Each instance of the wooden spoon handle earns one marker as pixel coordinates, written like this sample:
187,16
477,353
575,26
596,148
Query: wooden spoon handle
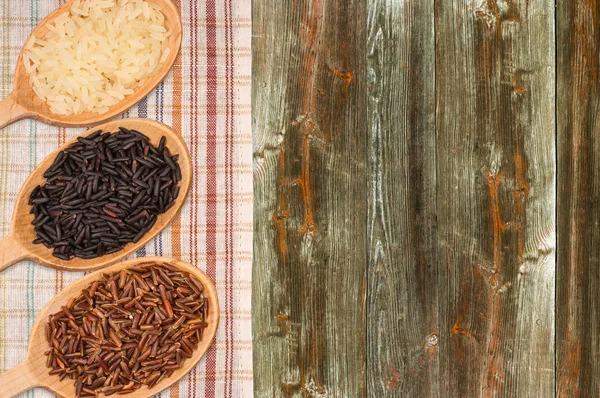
11,252
17,380
11,111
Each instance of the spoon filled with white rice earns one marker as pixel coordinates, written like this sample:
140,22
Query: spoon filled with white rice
96,54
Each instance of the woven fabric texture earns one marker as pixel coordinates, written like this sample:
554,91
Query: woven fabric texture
206,98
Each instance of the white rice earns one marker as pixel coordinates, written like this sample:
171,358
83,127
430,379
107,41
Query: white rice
96,54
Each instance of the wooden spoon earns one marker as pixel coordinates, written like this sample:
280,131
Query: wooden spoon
23,103
32,372
18,246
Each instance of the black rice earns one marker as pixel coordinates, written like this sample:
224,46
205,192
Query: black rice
102,192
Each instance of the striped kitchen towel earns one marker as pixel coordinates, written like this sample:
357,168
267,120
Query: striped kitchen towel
206,98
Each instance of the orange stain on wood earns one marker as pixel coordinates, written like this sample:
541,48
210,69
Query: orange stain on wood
311,27
493,182
346,77
494,364
283,212
308,226
458,330
520,173
518,87
516,80
282,317
285,325
495,280
393,381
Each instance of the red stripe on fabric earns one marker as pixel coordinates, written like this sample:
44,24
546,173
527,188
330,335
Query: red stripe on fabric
194,129
211,177
177,122
229,203
194,151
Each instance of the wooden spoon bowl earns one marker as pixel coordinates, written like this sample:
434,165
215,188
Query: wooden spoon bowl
18,244
32,372
23,103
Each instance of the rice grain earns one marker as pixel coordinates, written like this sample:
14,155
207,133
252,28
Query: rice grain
96,54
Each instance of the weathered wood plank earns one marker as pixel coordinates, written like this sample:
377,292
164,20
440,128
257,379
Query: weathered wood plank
496,196
402,317
578,260
309,122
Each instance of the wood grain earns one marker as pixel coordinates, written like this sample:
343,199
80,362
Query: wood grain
21,378
496,196
460,189
32,372
578,274
11,252
309,123
24,103
11,111
18,244
402,319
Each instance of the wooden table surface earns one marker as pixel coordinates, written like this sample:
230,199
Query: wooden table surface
427,187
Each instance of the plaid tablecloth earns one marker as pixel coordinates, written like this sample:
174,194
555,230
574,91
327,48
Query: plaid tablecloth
206,97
